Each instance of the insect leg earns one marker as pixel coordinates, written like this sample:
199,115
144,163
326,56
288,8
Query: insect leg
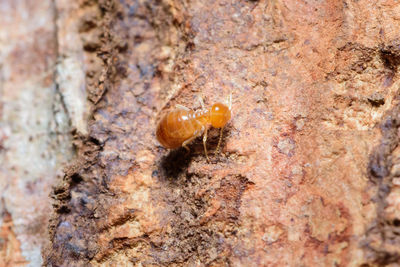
184,144
204,144
182,107
219,141
195,135
201,101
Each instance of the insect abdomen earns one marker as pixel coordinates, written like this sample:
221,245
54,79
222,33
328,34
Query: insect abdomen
176,127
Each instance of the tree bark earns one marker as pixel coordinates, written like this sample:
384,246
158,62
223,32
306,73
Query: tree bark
309,170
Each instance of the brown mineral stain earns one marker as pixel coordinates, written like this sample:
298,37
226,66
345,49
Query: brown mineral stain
10,251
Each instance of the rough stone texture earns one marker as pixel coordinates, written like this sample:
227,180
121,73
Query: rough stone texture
300,178
42,100
33,129
309,171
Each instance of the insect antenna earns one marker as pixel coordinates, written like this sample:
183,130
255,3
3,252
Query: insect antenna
219,141
229,100
200,98
205,145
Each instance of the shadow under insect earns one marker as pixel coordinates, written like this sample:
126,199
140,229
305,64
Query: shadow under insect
178,160
175,162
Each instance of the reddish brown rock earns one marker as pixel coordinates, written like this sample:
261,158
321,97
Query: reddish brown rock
308,171
295,181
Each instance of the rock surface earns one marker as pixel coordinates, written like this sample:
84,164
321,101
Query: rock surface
309,169
43,99
34,129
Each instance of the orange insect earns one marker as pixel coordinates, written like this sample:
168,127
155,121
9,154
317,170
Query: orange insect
182,125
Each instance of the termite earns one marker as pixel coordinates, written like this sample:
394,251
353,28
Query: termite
182,125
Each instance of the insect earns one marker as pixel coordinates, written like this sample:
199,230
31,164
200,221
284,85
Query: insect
181,126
